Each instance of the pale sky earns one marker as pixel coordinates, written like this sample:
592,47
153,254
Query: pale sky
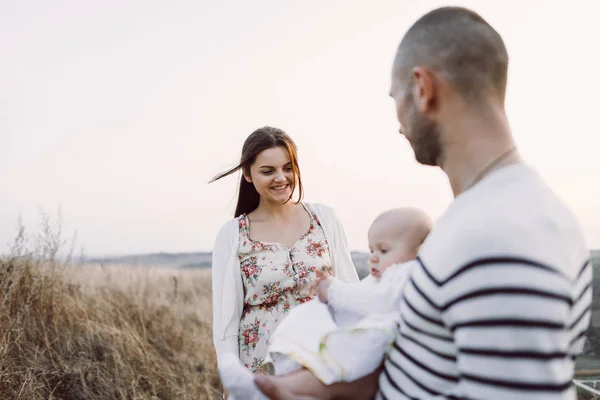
120,112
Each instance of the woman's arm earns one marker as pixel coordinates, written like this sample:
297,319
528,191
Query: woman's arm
224,299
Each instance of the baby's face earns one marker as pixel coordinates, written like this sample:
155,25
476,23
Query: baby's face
388,246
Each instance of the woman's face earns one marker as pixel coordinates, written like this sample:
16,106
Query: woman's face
272,175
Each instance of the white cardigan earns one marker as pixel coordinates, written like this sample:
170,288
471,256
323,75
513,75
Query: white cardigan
227,287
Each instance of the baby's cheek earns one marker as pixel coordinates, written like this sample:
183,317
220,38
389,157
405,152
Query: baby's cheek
386,261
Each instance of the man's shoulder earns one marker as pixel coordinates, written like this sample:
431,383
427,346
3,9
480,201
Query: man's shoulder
515,221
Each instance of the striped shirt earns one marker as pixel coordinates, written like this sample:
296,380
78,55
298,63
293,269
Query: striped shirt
499,303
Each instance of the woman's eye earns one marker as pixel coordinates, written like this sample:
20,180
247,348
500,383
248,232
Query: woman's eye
383,251
267,172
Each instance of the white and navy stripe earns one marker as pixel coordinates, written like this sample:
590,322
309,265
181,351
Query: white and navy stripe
497,327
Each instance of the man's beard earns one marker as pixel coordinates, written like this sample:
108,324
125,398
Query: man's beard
424,134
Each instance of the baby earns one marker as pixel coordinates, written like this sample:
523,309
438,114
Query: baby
344,334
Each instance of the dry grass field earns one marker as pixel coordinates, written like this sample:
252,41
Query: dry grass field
91,332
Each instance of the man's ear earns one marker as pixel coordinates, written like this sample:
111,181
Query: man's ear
425,89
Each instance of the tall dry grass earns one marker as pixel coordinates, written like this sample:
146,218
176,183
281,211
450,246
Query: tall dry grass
87,332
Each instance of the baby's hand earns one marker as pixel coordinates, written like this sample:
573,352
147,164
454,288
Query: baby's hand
322,290
315,286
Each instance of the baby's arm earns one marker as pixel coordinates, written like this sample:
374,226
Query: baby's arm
364,298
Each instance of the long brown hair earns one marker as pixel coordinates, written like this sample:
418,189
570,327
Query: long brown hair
259,140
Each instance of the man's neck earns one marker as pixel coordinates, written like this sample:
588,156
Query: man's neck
481,143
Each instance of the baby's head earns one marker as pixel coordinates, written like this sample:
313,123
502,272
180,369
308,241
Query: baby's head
395,237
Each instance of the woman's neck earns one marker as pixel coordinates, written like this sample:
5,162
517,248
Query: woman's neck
270,210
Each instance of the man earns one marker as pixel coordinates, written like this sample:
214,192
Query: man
500,302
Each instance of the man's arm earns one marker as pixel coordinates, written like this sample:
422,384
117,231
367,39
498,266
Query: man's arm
512,322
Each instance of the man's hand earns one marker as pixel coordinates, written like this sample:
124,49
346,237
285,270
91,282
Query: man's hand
285,388
274,391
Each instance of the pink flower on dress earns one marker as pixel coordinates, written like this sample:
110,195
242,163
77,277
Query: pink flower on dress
251,270
272,292
316,249
258,365
251,335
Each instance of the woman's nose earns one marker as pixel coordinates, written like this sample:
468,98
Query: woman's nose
279,176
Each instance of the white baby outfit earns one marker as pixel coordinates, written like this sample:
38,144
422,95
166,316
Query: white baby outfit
345,339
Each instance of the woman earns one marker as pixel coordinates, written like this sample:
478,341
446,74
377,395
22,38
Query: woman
266,257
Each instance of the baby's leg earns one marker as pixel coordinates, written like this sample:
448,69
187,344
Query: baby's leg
358,351
279,364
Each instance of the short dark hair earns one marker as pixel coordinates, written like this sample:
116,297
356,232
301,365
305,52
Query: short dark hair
461,46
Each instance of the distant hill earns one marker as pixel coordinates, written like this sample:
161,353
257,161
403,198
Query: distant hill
203,260
194,260
180,260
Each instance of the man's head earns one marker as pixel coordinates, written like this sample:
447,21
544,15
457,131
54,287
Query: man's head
449,56
396,236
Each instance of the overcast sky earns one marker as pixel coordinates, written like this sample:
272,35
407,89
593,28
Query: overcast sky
119,112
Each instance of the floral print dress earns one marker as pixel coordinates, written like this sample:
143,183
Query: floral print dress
276,278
